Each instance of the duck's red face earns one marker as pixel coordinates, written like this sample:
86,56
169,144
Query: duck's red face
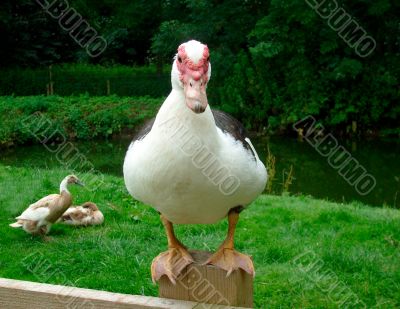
193,61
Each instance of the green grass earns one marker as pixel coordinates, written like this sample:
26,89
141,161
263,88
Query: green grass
357,244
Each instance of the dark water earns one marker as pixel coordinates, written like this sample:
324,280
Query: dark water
311,172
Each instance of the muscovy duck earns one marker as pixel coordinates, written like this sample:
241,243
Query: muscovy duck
194,165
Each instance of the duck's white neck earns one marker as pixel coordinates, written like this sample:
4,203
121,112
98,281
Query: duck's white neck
175,110
181,120
64,186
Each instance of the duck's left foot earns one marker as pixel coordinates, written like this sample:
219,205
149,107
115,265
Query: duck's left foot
231,260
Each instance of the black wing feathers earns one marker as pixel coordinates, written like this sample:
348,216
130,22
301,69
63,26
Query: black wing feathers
224,121
232,126
144,130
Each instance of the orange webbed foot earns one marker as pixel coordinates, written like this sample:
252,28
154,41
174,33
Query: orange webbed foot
231,260
170,263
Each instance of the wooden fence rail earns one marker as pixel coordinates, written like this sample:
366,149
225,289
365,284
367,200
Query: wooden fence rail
18,294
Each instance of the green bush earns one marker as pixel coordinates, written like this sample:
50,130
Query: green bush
76,117
297,66
76,79
281,61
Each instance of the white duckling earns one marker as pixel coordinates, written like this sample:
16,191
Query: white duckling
38,217
84,215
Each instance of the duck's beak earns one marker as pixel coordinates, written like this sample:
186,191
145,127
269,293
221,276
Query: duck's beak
80,183
195,94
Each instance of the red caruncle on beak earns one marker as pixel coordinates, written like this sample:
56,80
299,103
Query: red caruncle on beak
194,77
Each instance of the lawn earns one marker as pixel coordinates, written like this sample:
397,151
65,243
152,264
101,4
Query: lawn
305,251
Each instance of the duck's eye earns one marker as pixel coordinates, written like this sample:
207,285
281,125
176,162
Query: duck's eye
179,59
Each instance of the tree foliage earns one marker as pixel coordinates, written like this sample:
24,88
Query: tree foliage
274,62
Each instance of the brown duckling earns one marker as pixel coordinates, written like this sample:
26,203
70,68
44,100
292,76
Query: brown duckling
84,215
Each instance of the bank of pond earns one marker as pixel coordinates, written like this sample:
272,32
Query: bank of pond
299,168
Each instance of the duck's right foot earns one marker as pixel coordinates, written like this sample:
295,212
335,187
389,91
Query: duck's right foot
170,263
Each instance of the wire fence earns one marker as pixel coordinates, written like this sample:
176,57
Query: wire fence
101,82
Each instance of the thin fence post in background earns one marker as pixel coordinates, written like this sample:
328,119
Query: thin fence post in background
354,126
51,90
108,87
48,89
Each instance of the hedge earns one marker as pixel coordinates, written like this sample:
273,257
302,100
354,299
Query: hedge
23,119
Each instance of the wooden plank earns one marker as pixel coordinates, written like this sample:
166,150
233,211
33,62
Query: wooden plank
213,306
29,295
209,284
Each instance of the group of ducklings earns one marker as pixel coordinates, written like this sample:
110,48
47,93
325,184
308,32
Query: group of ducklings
38,218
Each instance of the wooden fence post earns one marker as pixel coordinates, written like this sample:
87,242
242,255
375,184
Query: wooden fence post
209,284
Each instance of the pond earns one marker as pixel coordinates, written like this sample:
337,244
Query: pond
312,175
